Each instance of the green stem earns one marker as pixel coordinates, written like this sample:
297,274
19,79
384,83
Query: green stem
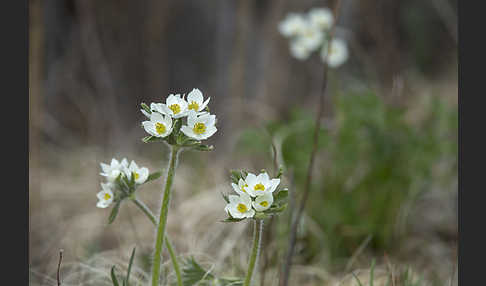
173,257
255,251
163,217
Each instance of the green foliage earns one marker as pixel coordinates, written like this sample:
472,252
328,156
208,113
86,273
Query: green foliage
126,280
194,274
372,163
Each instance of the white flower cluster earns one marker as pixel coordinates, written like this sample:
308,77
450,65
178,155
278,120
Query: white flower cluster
255,193
310,32
200,124
112,172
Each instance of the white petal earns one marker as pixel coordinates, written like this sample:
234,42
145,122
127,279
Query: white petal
188,132
195,95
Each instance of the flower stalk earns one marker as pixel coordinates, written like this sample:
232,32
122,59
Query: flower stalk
163,216
168,244
255,251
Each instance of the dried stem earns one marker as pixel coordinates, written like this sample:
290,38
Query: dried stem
59,268
284,278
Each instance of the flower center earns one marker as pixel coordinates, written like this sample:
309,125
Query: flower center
194,106
107,196
243,188
264,204
175,108
259,187
199,128
160,128
241,208
136,175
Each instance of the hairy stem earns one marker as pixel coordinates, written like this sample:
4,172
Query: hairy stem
255,251
168,244
284,278
163,216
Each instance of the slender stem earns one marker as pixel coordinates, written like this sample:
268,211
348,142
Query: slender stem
163,217
168,244
284,278
255,251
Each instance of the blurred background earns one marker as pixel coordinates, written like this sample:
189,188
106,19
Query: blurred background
385,184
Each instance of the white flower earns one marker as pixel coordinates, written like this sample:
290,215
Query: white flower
321,18
292,25
262,203
260,185
105,196
240,206
112,171
140,174
311,37
195,100
338,54
145,113
159,125
175,106
241,187
299,50
199,126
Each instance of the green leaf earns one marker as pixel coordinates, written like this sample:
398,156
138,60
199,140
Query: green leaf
357,279
230,281
127,279
260,215
114,212
232,219
371,271
203,147
149,139
113,277
276,210
146,108
225,197
153,176
193,273
281,195
280,171
235,176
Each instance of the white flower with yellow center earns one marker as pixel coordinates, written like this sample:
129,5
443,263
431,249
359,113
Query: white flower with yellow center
240,206
159,125
195,100
292,25
105,196
321,18
241,187
262,203
140,175
175,106
338,54
112,171
199,126
260,185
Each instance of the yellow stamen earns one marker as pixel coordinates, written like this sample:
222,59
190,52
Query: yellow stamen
199,128
241,208
259,187
264,204
243,188
106,196
175,108
136,175
194,106
160,128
